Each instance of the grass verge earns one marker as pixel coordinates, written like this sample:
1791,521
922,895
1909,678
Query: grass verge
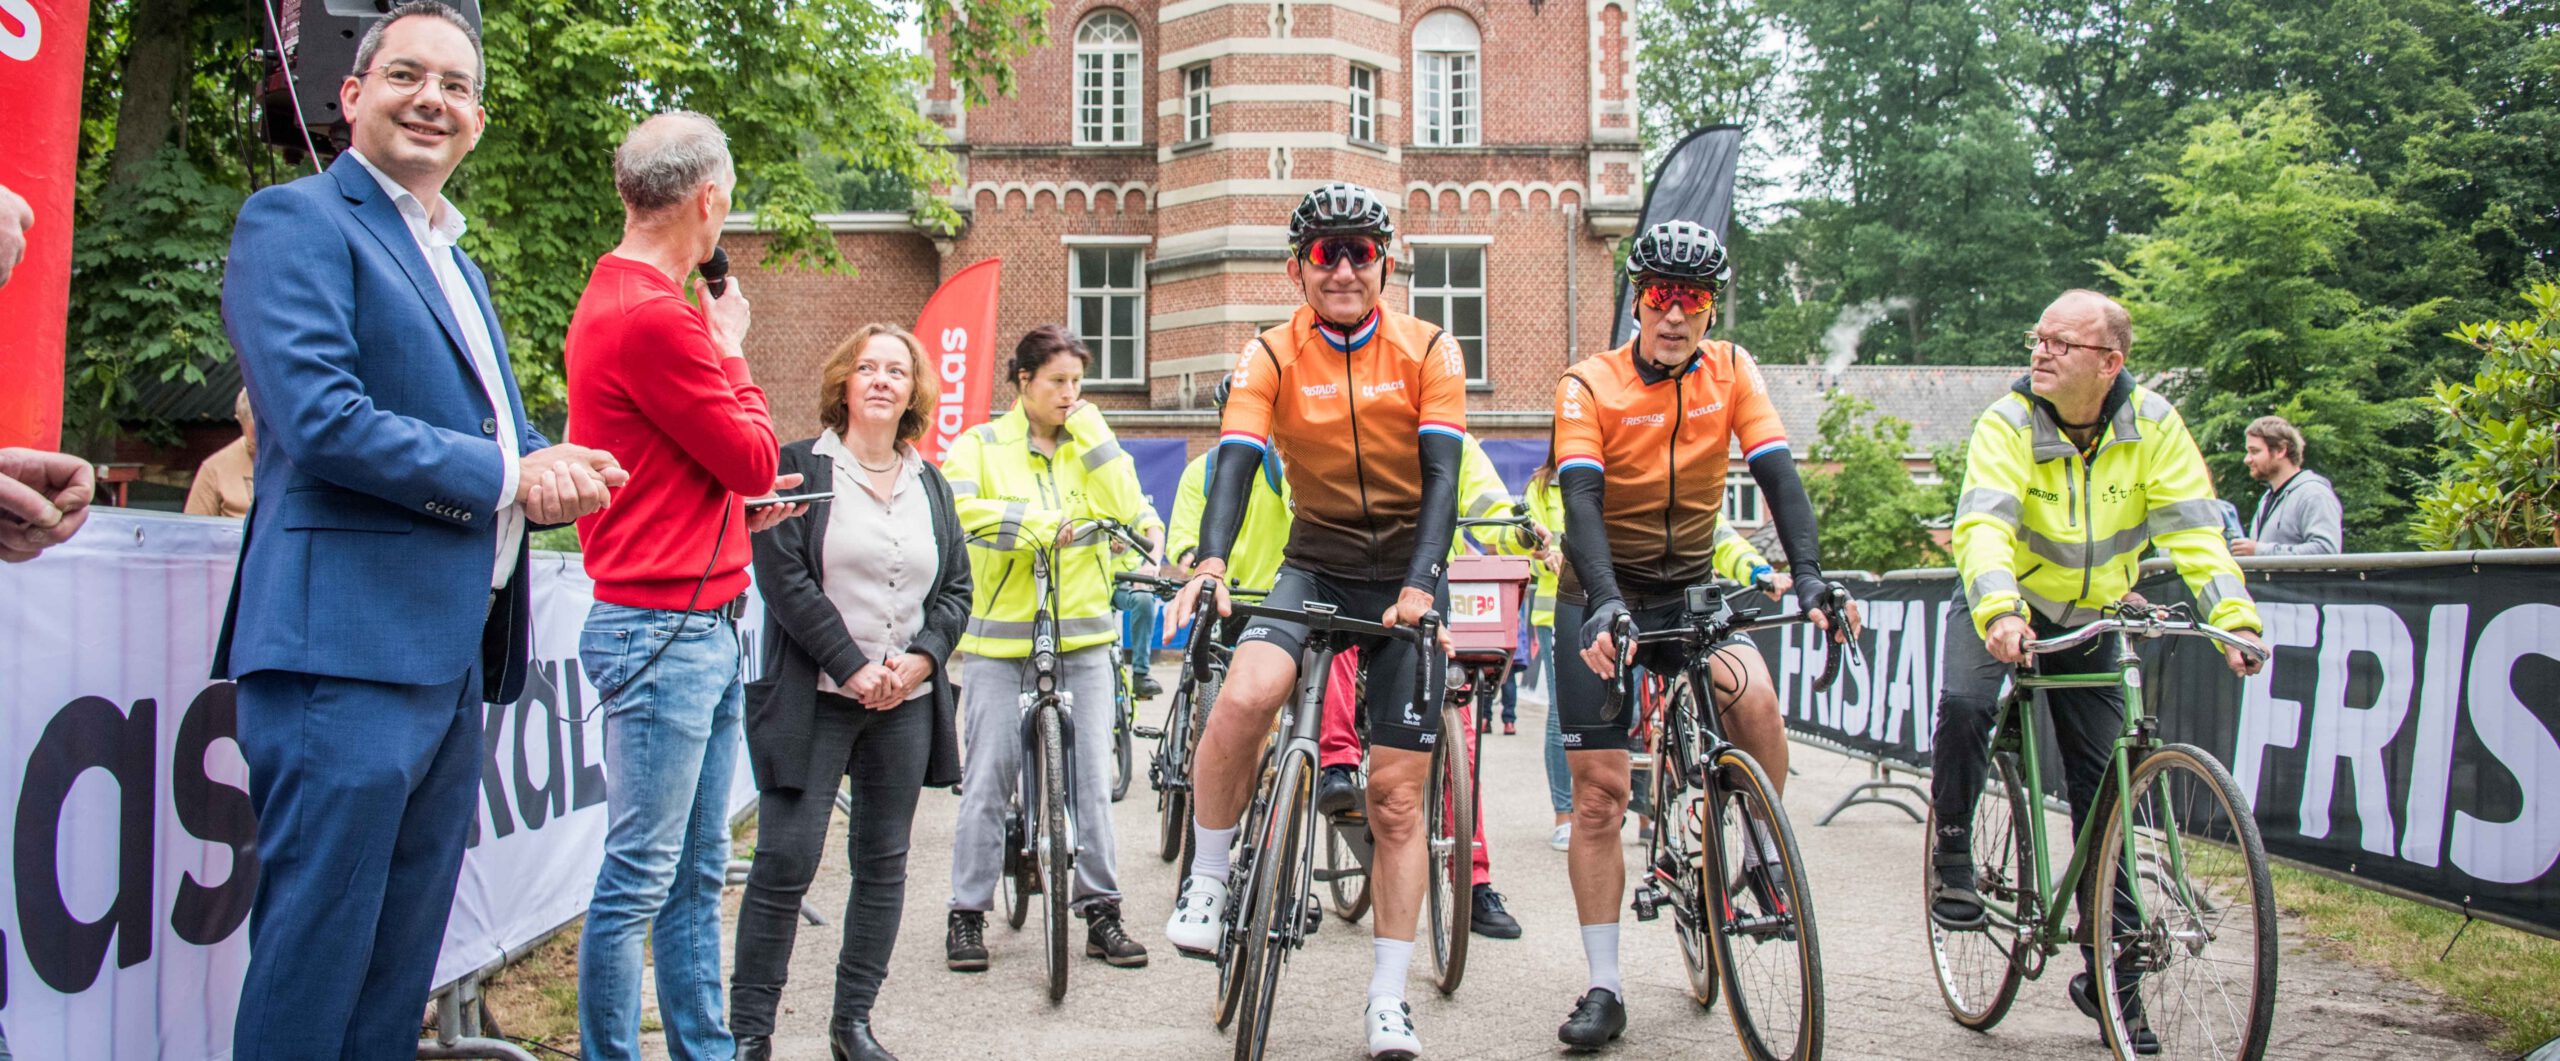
2508,976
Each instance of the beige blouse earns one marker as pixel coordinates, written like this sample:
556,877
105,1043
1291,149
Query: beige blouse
880,556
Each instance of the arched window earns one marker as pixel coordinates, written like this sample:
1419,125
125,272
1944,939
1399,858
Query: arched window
1107,80
1448,86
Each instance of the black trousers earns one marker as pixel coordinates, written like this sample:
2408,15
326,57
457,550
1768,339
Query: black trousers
2086,723
884,752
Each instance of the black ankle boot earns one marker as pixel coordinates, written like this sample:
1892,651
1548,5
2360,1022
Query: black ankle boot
853,1042
755,1048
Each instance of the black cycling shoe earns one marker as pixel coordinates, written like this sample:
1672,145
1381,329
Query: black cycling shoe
1598,1018
1491,920
854,1043
1337,790
1147,688
2084,996
755,1048
1105,938
964,947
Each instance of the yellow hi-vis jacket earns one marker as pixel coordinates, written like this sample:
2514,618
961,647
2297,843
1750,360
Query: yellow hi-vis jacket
2042,525
1481,494
1015,495
1255,558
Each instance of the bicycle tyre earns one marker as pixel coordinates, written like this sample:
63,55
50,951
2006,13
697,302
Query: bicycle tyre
1019,880
1773,993
1124,751
1180,803
2222,901
1449,810
1349,894
1977,970
1243,889
1679,840
1279,911
1057,856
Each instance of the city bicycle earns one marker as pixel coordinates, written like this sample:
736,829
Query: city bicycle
1722,858
1040,821
2170,860
1273,908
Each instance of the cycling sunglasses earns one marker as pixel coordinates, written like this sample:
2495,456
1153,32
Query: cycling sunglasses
1661,296
1331,251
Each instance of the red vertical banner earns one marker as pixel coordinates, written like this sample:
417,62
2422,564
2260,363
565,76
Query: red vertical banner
958,329
42,44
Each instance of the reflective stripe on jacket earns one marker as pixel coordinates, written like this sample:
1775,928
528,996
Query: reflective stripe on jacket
1014,495
2041,525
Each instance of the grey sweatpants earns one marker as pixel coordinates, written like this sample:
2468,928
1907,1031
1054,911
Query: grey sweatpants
991,767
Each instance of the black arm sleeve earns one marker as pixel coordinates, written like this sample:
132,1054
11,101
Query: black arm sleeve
1586,537
1783,491
1222,514
1438,522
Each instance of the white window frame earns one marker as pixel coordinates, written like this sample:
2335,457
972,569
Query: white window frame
1108,88
1742,504
1448,81
1195,102
1363,85
1480,358
1078,291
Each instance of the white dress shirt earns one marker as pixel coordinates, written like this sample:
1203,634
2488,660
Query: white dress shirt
880,556
436,233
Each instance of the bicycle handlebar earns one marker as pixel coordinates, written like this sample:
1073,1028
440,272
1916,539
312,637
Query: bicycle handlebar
1708,628
2146,622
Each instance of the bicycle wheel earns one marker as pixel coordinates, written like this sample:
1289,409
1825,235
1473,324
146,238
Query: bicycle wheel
1449,806
1244,889
1176,825
1764,933
2192,942
1678,849
1019,880
1057,854
1349,886
1124,751
1978,970
1279,909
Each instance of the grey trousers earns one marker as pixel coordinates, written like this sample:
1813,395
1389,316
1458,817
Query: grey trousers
991,767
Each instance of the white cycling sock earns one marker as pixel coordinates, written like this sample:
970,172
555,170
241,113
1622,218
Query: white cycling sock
1600,946
1209,857
1390,960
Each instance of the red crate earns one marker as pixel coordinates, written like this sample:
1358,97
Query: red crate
1484,603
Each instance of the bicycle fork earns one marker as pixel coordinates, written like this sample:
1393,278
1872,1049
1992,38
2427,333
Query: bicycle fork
1029,777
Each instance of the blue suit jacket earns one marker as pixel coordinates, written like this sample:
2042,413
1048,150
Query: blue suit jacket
374,529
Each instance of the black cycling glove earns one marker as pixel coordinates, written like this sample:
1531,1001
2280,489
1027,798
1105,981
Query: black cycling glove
1599,621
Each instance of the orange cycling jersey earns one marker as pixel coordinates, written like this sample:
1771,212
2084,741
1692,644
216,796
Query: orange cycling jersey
1349,426
1658,436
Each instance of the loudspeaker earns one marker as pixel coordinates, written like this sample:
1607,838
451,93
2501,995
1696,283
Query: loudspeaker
316,40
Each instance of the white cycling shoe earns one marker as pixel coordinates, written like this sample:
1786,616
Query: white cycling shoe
1193,931
1390,1024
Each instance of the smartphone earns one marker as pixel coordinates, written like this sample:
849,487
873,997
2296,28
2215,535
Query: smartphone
788,499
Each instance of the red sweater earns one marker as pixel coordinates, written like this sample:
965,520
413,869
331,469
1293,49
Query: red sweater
648,384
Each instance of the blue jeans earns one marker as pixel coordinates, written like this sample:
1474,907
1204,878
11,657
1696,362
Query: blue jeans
671,744
1559,776
1137,626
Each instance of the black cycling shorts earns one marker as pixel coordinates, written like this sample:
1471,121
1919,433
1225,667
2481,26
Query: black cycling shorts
1393,722
1580,695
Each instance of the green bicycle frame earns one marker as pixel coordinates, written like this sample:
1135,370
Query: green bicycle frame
2018,730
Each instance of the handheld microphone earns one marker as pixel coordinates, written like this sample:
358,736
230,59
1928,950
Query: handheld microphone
715,272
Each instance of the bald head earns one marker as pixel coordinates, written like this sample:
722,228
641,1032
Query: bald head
2105,316
668,159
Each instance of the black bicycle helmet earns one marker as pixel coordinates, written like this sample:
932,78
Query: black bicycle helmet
1226,383
1340,209
1682,251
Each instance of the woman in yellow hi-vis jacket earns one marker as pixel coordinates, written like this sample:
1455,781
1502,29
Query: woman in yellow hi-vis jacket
1030,476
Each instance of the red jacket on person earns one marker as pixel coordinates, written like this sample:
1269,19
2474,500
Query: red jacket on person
648,384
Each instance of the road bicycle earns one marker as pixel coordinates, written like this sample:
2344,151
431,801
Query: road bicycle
2170,860
1722,858
1272,906
1040,821
1204,671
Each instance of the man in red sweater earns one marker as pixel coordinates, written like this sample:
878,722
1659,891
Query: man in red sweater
663,384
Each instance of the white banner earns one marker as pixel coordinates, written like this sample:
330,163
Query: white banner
124,797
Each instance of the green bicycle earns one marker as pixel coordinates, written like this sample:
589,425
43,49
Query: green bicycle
2171,862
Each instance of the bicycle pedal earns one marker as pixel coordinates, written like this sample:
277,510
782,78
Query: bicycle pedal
1147,732
1648,902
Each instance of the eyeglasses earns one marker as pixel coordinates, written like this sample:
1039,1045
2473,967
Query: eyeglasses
408,81
1357,251
1660,297
2037,343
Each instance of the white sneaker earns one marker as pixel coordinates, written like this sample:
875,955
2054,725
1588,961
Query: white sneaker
1197,916
1390,1024
1562,838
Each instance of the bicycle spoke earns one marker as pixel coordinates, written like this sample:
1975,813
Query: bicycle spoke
2198,961
1978,971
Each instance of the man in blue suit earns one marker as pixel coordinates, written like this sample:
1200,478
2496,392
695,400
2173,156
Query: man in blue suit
381,594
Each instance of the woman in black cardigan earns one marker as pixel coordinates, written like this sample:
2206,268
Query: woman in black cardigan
855,642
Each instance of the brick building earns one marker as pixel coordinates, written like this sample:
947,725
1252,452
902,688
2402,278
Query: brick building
1138,185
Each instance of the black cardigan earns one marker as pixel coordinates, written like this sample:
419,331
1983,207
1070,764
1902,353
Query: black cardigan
803,633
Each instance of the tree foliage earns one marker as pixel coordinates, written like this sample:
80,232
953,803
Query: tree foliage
2500,438
1873,516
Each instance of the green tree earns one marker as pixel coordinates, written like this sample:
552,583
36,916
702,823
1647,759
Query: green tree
2238,292
2500,438
1874,516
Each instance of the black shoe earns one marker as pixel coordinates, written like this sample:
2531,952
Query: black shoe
964,949
1491,920
1598,1017
1104,937
2084,996
1148,689
854,1044
1337,790
1953,904
755,1048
